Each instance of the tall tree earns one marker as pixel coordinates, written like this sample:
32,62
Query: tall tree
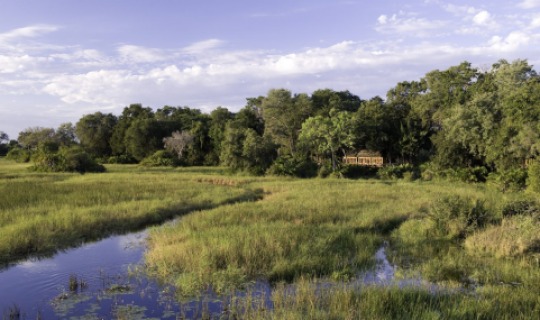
324,100
65,134
330,136
130,114
31,138
283,115
219,119
95,132
4,147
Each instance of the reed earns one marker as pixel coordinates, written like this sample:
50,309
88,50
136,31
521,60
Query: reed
43,212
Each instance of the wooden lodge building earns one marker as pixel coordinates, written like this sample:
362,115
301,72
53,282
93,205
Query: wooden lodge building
365,158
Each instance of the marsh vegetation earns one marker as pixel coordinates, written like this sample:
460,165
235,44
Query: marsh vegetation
309,239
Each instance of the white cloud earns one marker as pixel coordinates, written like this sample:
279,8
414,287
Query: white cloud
137,54
529,4
76,79
26,32
102,87
11,64
203,46
513,42
410,26
482,18
460,10
535,22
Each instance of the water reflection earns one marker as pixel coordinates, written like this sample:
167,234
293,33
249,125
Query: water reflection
32,285
94,281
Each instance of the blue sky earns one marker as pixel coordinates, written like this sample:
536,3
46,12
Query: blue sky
61,59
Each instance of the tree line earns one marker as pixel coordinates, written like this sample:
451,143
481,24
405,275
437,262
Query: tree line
463,120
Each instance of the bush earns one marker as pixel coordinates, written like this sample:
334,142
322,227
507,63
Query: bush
161,158
18,155
293,166
398,172
75,159
469,175
359,171
455,216
534,176
431,170
520,207
67,159
121,159
509,180
4,149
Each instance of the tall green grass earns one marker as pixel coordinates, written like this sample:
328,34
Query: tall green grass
330,229
42,212
315,228
482,253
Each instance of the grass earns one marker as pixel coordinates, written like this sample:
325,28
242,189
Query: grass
309,238
41,213
314,228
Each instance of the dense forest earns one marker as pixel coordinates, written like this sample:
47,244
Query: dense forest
462,122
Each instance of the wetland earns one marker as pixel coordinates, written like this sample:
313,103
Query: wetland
201,243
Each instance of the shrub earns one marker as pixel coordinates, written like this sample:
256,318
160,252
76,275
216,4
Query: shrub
75,159
520,207
67,159
18,155
293,166
121,159
455,216
509,180
534,176
325,170
359,171
161,158
398,172
469,175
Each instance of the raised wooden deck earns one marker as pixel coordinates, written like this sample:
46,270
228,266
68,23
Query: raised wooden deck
364,161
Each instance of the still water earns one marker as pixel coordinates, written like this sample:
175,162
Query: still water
102,286
96,281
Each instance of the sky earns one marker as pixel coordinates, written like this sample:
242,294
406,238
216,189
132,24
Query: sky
62,59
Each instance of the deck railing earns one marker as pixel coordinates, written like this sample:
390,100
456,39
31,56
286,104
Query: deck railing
364,161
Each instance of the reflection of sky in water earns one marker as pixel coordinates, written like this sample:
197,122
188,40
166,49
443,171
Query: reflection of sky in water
33,283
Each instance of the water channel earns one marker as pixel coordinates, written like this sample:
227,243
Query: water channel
96,281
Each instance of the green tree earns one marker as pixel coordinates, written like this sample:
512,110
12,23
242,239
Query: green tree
283,115
324,100
258,151
4,147
95,133
65,134
31,138
133,112
219,119
328,135
232,147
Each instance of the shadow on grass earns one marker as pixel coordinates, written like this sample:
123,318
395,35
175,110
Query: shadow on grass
112,227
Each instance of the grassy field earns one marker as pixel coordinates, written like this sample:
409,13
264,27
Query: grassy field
309,238
307,231
43,212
